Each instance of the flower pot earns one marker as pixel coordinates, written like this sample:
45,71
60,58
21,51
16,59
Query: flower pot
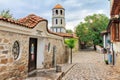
106,61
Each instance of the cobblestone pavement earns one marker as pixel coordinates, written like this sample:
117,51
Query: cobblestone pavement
90,66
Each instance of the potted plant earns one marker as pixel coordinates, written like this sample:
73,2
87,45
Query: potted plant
106,61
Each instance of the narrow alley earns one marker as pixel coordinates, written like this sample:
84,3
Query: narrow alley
90,66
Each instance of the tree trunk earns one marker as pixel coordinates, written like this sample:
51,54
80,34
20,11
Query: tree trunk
94,47
83,46
71,55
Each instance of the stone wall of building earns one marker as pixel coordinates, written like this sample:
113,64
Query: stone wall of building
116,48
9,67
118,63
59,52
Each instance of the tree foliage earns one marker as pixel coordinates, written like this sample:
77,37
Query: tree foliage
90,29
6,14
70,43
69,31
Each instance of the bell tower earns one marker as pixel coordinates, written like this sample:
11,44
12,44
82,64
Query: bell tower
58,19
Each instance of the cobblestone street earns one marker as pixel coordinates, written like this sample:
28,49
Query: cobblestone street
90,66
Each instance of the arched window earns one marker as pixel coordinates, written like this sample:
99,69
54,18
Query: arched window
61,12
56,11
56,21
61,21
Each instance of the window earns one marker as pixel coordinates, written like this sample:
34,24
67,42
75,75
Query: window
16,49
61,12
61,21
56,11
116,31
56,21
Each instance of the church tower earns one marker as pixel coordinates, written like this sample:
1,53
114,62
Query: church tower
58,19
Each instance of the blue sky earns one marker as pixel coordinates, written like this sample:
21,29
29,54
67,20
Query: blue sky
75,10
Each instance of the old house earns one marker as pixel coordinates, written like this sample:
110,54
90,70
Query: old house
114,29
26,45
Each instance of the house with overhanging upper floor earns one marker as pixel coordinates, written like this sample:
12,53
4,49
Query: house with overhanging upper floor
113,31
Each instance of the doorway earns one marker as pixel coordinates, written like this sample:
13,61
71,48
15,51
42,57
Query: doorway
32,54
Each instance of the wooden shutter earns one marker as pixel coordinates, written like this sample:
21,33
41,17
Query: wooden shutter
112,32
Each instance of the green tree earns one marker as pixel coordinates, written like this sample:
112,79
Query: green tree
6,14
69,31
71,44
90,29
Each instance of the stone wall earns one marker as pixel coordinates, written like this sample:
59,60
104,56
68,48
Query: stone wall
9,67
59,53
118,62
116,48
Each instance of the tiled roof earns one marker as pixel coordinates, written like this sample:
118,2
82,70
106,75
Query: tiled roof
65,35
11,21
30,21
58,6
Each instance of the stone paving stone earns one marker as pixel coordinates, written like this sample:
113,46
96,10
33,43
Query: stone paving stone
90,66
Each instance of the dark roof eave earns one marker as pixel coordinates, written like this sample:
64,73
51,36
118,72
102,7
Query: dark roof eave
111,21
109,24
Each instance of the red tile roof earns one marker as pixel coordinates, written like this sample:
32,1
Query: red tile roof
30,21
65,35
58,6
11,21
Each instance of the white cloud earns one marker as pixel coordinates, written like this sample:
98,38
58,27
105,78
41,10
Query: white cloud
74,18
72,3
